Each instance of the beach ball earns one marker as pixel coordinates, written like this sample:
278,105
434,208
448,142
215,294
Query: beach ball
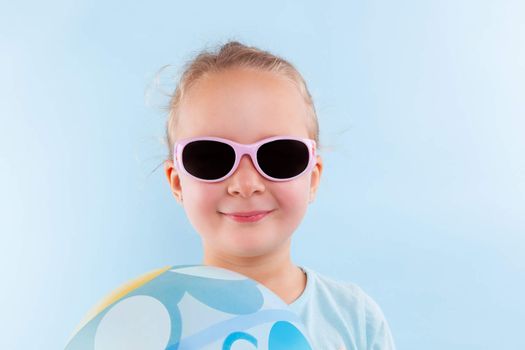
191,307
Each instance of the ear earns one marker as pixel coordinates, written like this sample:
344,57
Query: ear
174,180
315,178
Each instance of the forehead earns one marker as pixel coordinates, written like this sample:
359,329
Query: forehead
243,105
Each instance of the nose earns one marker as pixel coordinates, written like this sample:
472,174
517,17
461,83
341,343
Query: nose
246,180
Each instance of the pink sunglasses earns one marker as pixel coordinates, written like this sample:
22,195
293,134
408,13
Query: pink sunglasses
213,159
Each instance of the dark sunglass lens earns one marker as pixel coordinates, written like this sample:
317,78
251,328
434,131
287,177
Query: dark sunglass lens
283,159
208,160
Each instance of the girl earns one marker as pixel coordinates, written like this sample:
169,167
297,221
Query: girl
242,135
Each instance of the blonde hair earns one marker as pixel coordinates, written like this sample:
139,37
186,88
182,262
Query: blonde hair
235,55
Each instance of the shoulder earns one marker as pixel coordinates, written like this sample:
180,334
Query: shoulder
342,290
377,330
358,307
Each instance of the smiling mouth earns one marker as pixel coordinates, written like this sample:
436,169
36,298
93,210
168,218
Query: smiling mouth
248,217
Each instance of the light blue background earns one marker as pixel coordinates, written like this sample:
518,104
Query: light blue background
422,201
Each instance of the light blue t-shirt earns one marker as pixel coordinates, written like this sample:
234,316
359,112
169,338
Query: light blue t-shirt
341,316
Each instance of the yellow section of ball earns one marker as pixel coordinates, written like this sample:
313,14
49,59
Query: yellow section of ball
118,294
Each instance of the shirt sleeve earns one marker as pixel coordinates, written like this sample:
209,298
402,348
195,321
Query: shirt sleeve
378,334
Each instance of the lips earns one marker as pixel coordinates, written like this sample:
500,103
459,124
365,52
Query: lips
249,213
248,216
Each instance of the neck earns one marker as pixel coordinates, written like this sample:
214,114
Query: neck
275,271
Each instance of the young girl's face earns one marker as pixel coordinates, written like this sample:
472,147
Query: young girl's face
245,106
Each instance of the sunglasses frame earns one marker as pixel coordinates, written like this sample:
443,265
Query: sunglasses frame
240,150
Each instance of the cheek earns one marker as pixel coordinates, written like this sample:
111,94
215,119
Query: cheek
200,203
293,196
